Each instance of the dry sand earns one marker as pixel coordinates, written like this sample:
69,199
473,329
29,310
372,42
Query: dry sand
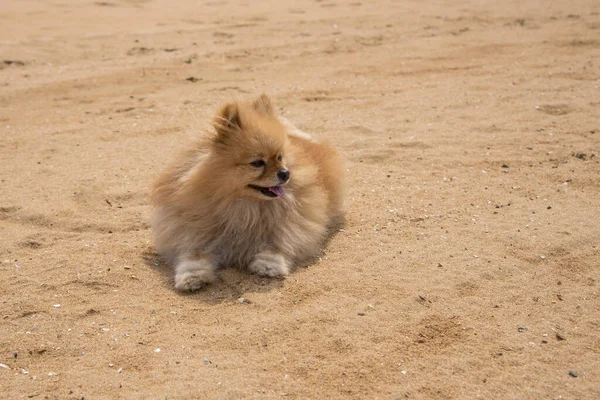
468,265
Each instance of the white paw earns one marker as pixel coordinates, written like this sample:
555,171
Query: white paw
192,275
269,264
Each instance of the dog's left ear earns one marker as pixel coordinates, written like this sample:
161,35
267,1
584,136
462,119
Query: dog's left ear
263,104
227,122
229,117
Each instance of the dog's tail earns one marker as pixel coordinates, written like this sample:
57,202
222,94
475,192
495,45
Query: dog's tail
293,130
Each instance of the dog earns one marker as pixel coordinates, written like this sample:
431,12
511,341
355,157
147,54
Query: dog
255,193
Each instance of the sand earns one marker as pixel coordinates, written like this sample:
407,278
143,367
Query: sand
468,263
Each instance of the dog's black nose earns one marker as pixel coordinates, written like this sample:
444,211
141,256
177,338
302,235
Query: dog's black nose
283,175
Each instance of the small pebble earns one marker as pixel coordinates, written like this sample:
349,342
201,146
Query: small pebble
57,306
120,370
522,329
362,314
560,337
206,360
126,267
4,366
157,350
573,374
403,372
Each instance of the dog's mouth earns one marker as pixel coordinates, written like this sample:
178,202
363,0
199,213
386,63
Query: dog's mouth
273,191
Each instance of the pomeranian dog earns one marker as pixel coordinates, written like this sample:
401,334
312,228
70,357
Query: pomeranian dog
255,193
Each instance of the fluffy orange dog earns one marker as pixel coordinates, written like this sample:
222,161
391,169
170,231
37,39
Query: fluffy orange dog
257,193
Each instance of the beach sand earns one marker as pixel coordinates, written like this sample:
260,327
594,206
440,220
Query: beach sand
468,265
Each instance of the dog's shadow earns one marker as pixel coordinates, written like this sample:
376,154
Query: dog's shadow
231,283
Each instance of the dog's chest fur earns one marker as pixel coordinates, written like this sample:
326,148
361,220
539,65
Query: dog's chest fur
244,230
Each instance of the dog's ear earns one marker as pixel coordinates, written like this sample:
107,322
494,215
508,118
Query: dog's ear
227,121
263,104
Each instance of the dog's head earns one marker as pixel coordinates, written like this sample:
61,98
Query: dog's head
250,147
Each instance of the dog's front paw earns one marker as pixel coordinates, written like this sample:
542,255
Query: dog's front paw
192,275
269,264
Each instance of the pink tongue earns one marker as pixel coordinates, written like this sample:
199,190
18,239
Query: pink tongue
278,190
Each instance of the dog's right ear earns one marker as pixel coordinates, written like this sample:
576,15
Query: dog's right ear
227,122
263,104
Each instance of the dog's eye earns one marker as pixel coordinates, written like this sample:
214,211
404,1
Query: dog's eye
280,158
258,163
